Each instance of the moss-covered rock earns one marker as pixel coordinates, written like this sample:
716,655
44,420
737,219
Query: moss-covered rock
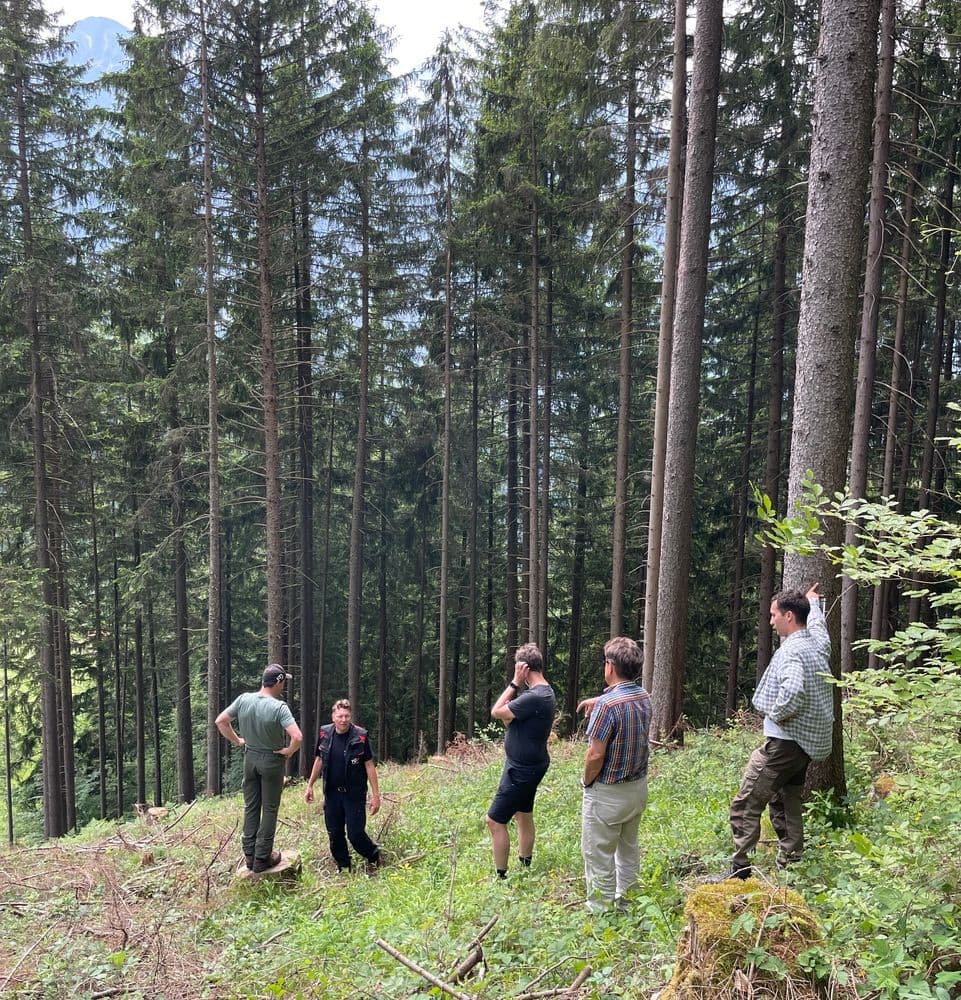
740,935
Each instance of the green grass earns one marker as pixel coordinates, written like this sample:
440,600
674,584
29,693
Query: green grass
157,911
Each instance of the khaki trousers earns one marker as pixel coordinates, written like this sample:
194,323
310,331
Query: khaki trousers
774,777
610,816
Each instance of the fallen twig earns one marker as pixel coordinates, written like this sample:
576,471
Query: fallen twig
170,826
220,850
476,952
449,909
560,991
273,937
423,973
24,957
549,970
112,992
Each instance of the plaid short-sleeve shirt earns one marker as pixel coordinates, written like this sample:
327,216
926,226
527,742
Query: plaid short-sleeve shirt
622,716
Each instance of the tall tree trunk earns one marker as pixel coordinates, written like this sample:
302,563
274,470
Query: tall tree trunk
383,649
62,657
833,238
325,571
870,310
442,670
185,739
672,232
117,677
491,670
619,534
139,692
916,605
474,518
54,806
305,436
214,628
899,371
572,695
533,437
275,588
780,304
356,567
511,613
672,595
98,655
158,797
416,715
545,493
740,531
8,774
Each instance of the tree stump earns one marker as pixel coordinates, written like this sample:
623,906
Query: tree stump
289,868
743,939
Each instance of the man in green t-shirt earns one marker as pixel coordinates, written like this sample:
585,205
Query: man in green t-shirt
264,718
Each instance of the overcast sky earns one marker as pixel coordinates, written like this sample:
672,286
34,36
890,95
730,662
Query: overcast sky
417,24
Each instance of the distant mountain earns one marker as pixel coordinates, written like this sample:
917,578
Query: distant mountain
96,44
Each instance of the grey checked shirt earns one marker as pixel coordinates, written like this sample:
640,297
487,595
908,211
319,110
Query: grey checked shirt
794,692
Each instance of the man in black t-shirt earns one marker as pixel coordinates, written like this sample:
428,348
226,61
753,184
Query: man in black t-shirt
527,709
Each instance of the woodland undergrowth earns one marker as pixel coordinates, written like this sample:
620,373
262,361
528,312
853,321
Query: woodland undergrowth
154,911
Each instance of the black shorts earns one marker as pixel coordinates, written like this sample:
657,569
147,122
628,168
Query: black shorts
515,793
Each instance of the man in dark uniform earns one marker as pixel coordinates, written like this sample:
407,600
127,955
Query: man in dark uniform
527,708
345,760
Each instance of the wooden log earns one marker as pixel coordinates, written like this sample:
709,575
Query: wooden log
289,867
476,954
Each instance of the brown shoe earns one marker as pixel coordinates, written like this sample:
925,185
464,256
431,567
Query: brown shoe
263,864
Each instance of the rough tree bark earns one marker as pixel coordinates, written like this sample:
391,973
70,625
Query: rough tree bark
672,596
833,238
672,232
870,310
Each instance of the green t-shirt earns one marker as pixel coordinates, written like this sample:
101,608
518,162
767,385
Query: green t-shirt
261,719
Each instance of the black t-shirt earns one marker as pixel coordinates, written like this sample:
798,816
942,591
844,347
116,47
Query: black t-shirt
337,760
526,740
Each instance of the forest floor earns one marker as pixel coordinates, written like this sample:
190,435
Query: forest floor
145,911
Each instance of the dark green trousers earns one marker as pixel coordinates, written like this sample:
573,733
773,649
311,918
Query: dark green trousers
263,783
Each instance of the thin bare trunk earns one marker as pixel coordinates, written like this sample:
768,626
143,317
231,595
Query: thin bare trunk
442,667
275,583
213,783
672,222
672,596
870,310
98,655
619,533
533,442
356,559
740,531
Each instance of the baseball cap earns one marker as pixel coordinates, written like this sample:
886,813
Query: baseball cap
275,673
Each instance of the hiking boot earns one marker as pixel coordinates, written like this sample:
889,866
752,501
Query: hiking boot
263,864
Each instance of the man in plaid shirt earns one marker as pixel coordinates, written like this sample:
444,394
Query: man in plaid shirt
615,777
798,706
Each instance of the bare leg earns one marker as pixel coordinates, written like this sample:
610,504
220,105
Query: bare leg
525,834
500,841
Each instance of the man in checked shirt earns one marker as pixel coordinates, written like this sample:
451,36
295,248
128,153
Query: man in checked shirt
615,777
795,697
